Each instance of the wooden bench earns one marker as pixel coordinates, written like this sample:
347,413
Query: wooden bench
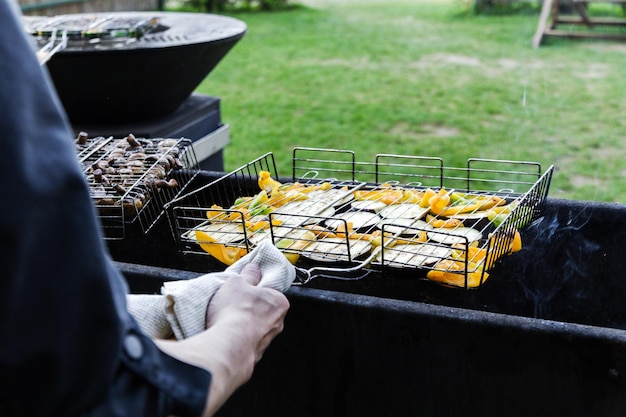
550,19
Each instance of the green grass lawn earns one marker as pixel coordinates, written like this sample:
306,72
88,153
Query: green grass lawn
420,78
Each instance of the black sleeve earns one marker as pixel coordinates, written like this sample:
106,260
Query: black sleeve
68,343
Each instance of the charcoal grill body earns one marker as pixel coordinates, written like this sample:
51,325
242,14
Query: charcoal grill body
142,79
124,86
544,336
353,355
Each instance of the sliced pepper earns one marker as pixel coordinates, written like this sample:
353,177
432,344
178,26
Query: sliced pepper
225,254
488,202
439,201
241,202
372,195
281,198
520,215
392,197
447,223
459,209
216,213
322,186
262,224
452,273
376,238
411,196
484,201
261,209
267,183
321,232
428,194
516,244
475,255
290,247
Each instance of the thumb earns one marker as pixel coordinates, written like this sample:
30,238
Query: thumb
251,273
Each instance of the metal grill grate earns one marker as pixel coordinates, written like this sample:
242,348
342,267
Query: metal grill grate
337,216
131,179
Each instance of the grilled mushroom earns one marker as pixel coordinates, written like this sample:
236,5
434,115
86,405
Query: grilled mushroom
82,138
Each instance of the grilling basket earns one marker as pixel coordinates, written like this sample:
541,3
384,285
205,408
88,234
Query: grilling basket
341,218
131,179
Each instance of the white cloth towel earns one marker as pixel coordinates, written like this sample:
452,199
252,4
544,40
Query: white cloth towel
181,307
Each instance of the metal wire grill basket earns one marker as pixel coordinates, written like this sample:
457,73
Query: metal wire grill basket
336,216
131,179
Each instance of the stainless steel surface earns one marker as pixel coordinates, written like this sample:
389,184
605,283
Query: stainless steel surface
212,143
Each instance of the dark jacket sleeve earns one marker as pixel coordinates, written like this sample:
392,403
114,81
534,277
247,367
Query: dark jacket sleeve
68,345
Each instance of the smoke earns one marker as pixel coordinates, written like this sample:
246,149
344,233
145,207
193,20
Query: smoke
556,259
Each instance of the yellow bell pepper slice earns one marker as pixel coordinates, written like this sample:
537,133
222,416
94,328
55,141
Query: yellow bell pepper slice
323,186
409,196
227,255
516,244
372,195
453,273
428,194
216,213
447,223
267,183
321,232
392,197
262,224
475,255
491,201
454,210
439,201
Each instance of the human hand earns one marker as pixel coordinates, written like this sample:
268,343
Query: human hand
251,316
241,321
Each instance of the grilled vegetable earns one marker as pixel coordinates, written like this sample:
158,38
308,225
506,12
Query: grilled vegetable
405,210
452,272
225,254
451,204
484,202
402,226
455,236
412,254
336,249
439,201
267,183
359,219
516,244
295,242
447,223
301,212
474,255
368,205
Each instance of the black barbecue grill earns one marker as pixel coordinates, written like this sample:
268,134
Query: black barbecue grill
135,72
545,335
130,66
